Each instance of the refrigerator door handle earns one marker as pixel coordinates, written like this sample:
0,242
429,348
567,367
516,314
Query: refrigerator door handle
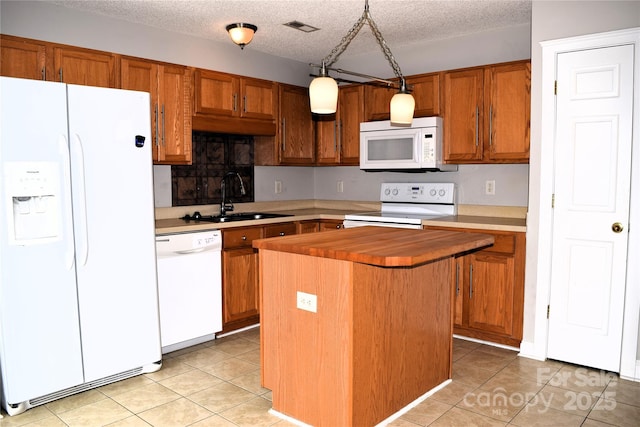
67,215
82,230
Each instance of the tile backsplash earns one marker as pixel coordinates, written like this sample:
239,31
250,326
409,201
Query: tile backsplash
213,156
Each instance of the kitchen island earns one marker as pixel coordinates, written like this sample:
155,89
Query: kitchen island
356,324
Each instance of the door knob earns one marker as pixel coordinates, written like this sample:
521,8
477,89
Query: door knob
617,227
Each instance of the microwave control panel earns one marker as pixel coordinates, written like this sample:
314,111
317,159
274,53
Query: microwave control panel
422,192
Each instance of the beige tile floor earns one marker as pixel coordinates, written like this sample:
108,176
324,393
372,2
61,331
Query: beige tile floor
218,384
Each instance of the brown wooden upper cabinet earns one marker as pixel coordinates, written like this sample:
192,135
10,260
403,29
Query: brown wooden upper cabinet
338,136
169,87
85,67
487,114
295,136
222,94
24,58
425,89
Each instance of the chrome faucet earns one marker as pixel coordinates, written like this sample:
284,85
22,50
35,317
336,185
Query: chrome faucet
224,204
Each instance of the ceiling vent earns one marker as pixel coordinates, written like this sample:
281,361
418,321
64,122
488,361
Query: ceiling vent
297,25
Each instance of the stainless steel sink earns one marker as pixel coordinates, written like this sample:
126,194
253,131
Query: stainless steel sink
243,216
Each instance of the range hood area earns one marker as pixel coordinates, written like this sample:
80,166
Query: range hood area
231,125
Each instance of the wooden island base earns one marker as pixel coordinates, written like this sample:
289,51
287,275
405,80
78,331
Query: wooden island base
380,338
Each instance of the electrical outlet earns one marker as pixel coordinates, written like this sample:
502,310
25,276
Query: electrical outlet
307,302
340,187
278,188
490,187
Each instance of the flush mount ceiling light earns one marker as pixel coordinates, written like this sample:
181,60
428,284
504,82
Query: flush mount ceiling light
323,91
241,33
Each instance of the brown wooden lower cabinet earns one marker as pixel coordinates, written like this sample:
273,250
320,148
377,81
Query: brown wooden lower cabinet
489,289
240,286
240,302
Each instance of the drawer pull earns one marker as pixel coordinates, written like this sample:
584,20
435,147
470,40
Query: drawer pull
282,233
244,237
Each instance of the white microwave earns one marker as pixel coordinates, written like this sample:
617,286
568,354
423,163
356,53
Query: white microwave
394,148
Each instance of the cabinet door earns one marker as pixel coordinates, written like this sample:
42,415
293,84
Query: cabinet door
216,93
84,67
259,99
490,292
295,131
426,92
507,115
174,115
327,137
23,59
378,100
459,287
463,116
240,299
143,76
351,99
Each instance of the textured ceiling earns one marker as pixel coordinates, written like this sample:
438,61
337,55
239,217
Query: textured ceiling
401,22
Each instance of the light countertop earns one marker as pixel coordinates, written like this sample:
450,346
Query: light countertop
481,218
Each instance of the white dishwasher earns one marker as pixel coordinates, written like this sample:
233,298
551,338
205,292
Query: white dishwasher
189,288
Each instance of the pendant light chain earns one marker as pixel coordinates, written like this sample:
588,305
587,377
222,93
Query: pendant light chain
346,40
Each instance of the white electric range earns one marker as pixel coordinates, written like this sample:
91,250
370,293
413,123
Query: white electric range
406,205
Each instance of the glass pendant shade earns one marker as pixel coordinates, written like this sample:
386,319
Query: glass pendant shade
323,95
241,34
402,106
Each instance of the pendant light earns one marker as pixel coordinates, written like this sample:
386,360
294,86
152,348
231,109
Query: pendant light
323,90
241,33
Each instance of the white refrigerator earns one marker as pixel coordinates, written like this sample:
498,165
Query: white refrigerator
78,285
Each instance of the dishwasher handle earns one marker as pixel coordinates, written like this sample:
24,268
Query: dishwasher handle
190,251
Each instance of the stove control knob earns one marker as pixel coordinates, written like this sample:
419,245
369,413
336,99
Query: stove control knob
442,192
386,191
395,191
432,192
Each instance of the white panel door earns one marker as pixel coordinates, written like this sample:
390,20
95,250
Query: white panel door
591,214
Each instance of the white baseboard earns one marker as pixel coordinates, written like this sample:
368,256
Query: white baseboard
528,350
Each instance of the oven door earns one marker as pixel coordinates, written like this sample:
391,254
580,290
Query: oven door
349,223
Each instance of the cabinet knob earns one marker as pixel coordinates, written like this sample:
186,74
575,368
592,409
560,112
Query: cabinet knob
244,237
282,233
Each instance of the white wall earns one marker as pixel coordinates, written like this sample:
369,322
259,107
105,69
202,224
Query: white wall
511,183
550,21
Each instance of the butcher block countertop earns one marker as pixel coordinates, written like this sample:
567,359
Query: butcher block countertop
379,246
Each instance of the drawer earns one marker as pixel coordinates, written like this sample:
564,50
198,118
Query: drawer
276,230
307,227
504,243
240,237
